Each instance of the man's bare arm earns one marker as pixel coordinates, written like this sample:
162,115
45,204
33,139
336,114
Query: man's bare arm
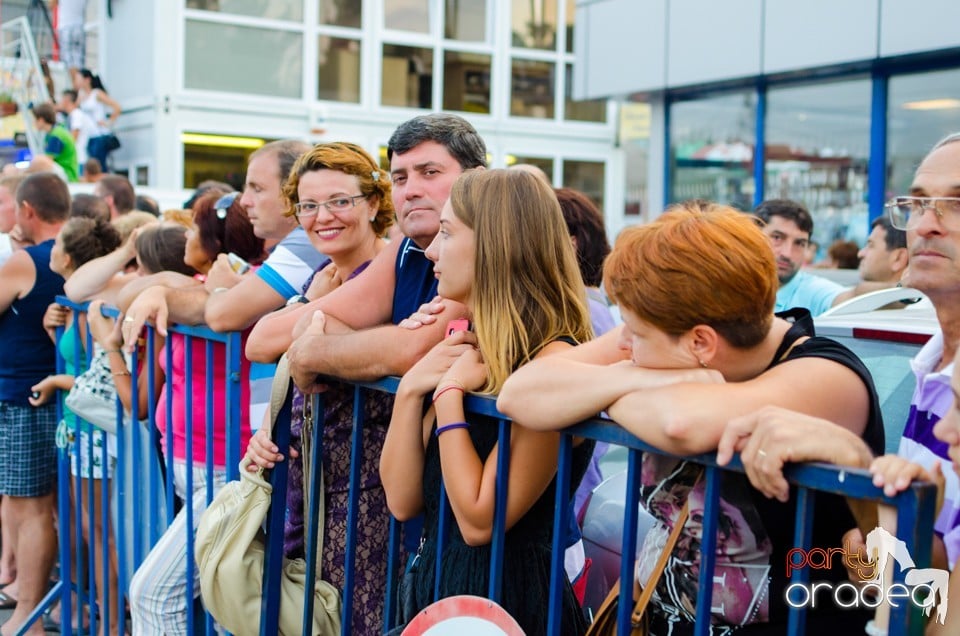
361,355
360,303
16,276
242,305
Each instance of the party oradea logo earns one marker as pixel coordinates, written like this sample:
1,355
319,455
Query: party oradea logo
924,587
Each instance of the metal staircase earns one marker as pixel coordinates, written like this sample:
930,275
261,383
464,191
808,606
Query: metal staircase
21,78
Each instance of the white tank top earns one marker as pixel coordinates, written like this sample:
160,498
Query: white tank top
96,110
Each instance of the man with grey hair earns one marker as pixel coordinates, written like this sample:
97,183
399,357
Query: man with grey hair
933,243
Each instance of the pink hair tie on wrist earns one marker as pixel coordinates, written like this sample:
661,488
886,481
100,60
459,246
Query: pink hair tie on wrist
450,427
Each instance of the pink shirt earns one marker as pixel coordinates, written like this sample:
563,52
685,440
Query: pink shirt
199,377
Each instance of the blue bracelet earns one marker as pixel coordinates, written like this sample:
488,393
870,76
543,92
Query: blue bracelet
448,427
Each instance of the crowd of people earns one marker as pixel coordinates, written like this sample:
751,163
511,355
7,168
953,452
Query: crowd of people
460,279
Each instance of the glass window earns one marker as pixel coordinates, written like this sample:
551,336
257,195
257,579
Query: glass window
407,15
543,163
532,89
818,142
534,24
338,62
635,142
585,176
202,162
922,109
274,10
407,76
225,57
465,20
571,18
466,82
345,13
711,149
586,110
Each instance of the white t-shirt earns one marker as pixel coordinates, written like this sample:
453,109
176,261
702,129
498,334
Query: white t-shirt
80,121
71,13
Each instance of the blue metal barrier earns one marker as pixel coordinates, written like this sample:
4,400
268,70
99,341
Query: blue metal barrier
915,509
146,525
915,506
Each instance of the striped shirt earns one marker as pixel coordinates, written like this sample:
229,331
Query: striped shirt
932,400
287,268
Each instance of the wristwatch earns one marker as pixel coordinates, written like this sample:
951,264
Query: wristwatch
299,298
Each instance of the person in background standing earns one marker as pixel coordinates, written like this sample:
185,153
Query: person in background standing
95,101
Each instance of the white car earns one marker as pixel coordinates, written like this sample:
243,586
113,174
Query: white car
885,339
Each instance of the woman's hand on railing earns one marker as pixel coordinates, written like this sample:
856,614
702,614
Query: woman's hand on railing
151,304
55,316
771,437
426,374
264,453
105,330
468,371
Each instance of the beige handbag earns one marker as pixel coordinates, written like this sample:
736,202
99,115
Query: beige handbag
230,552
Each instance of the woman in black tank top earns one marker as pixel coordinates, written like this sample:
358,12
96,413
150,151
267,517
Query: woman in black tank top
700,346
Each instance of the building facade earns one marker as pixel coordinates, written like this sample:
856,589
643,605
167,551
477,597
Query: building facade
204,82
831,103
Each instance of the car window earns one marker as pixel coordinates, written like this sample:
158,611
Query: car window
889,364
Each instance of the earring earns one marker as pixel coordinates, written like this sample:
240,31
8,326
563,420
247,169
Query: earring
373,218
702,363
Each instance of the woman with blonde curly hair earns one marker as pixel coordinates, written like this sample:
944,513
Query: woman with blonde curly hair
342,200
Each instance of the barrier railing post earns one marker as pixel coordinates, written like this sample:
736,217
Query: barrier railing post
629,541
560,524
802,538
273,557
188,469
313,514
64,516
353,506
497,549
708,547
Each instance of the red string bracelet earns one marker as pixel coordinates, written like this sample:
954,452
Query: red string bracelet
449,387
451,426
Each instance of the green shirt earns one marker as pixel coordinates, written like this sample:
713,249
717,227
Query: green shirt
59,145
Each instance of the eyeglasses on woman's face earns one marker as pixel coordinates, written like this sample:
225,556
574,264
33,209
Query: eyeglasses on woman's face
309,209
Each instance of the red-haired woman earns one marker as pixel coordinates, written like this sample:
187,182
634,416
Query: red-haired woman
700,345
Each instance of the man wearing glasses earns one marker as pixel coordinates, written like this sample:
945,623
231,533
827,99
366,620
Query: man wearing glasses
931,218
788,225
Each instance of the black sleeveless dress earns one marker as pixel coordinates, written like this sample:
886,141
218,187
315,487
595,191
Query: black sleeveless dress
755,533
526,564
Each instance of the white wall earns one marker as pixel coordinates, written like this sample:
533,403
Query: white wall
709,40
621,47
818,33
